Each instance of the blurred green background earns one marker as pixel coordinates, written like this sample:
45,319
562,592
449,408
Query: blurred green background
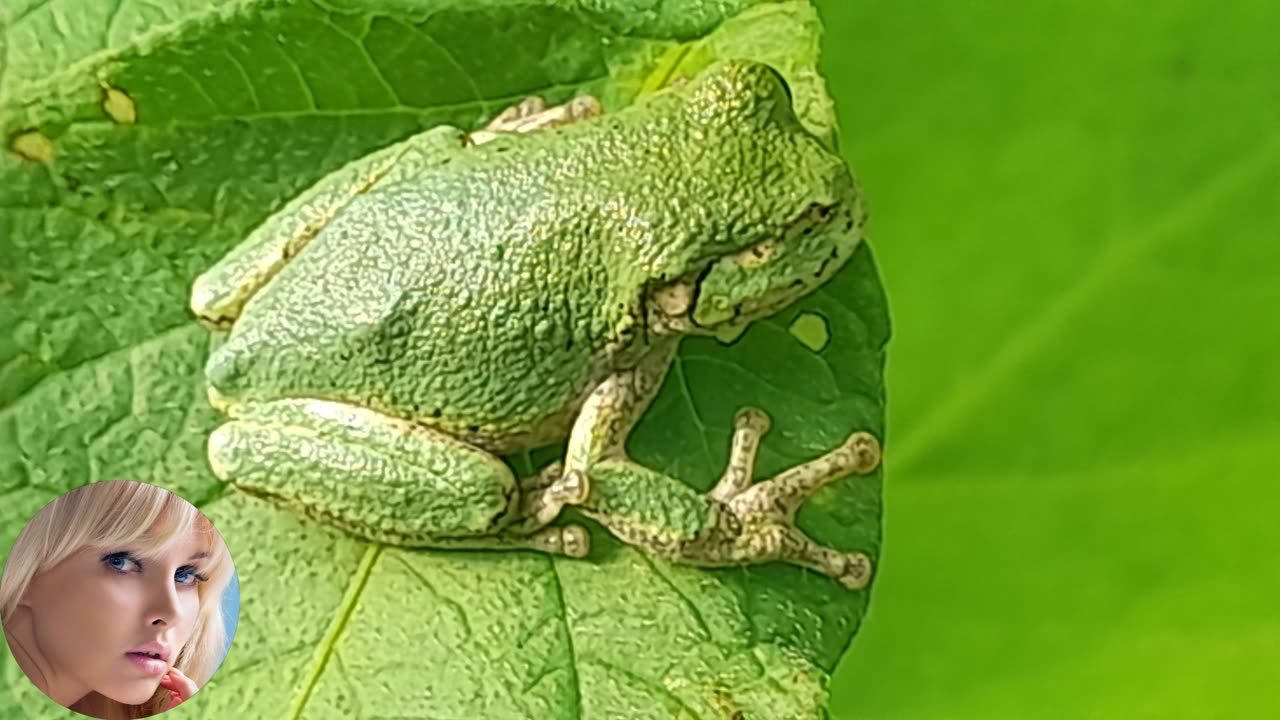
1076,210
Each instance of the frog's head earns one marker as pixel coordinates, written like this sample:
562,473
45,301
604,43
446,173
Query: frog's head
787,224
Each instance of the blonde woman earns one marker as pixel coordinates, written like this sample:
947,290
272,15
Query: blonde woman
111,599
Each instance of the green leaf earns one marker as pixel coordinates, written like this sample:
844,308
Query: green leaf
152,143
1076,209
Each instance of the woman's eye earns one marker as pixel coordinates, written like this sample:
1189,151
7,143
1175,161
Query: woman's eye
121,562
188,576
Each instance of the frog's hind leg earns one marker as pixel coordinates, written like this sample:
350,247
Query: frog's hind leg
389,480
532,114
738,521
219,294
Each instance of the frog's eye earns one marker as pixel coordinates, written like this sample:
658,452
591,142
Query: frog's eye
757,254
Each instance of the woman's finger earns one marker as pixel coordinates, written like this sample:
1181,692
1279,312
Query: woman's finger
180,687
183,685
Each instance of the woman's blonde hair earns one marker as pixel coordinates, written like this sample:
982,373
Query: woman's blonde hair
110,515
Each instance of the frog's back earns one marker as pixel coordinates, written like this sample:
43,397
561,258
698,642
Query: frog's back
465,299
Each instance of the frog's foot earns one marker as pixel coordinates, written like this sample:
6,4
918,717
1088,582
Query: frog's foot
737,522
778,498
533,114
761,525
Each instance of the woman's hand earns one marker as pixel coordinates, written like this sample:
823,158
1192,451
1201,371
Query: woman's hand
180,688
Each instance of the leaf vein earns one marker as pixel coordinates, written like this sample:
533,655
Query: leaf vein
649,685
475,89
345,609
195,82
158,337
687,392
186,411
29,12
111,22
721,362
662,574
248,81
568,636
302,78
426,585
225,674
359,42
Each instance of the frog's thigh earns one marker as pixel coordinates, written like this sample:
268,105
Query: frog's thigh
533,114
220,293
367,473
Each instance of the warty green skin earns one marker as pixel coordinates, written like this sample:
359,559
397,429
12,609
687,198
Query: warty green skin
487,293
437,303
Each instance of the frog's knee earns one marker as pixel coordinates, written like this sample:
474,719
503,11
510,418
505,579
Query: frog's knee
244,363
222,449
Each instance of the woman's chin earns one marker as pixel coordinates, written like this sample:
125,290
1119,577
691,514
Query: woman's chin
132,693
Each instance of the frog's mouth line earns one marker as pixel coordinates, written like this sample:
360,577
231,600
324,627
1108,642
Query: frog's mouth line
754,308
672,306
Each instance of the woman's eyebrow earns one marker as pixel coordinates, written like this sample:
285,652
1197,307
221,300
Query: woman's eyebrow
199,555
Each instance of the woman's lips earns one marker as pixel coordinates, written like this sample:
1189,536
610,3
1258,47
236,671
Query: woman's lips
153,666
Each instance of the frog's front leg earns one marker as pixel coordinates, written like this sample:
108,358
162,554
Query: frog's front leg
390,480
737,522
612,409
219,294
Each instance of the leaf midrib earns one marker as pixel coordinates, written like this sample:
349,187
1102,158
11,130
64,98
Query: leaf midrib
328,645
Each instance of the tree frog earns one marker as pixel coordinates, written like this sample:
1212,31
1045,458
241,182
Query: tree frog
459,296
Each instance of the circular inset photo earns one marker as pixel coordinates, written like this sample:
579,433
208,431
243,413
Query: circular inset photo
119,600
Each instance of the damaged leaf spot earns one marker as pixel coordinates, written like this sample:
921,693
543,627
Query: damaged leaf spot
811,330
32,145
119,106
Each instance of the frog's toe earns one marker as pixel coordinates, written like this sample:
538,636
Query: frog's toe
753,420
568,540
583,107
575,542
857,571
572,489
533,114
221,450
531,105
864,449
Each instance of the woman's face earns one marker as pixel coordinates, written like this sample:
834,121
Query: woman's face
89,611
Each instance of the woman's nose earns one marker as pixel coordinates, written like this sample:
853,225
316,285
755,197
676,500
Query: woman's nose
164,607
